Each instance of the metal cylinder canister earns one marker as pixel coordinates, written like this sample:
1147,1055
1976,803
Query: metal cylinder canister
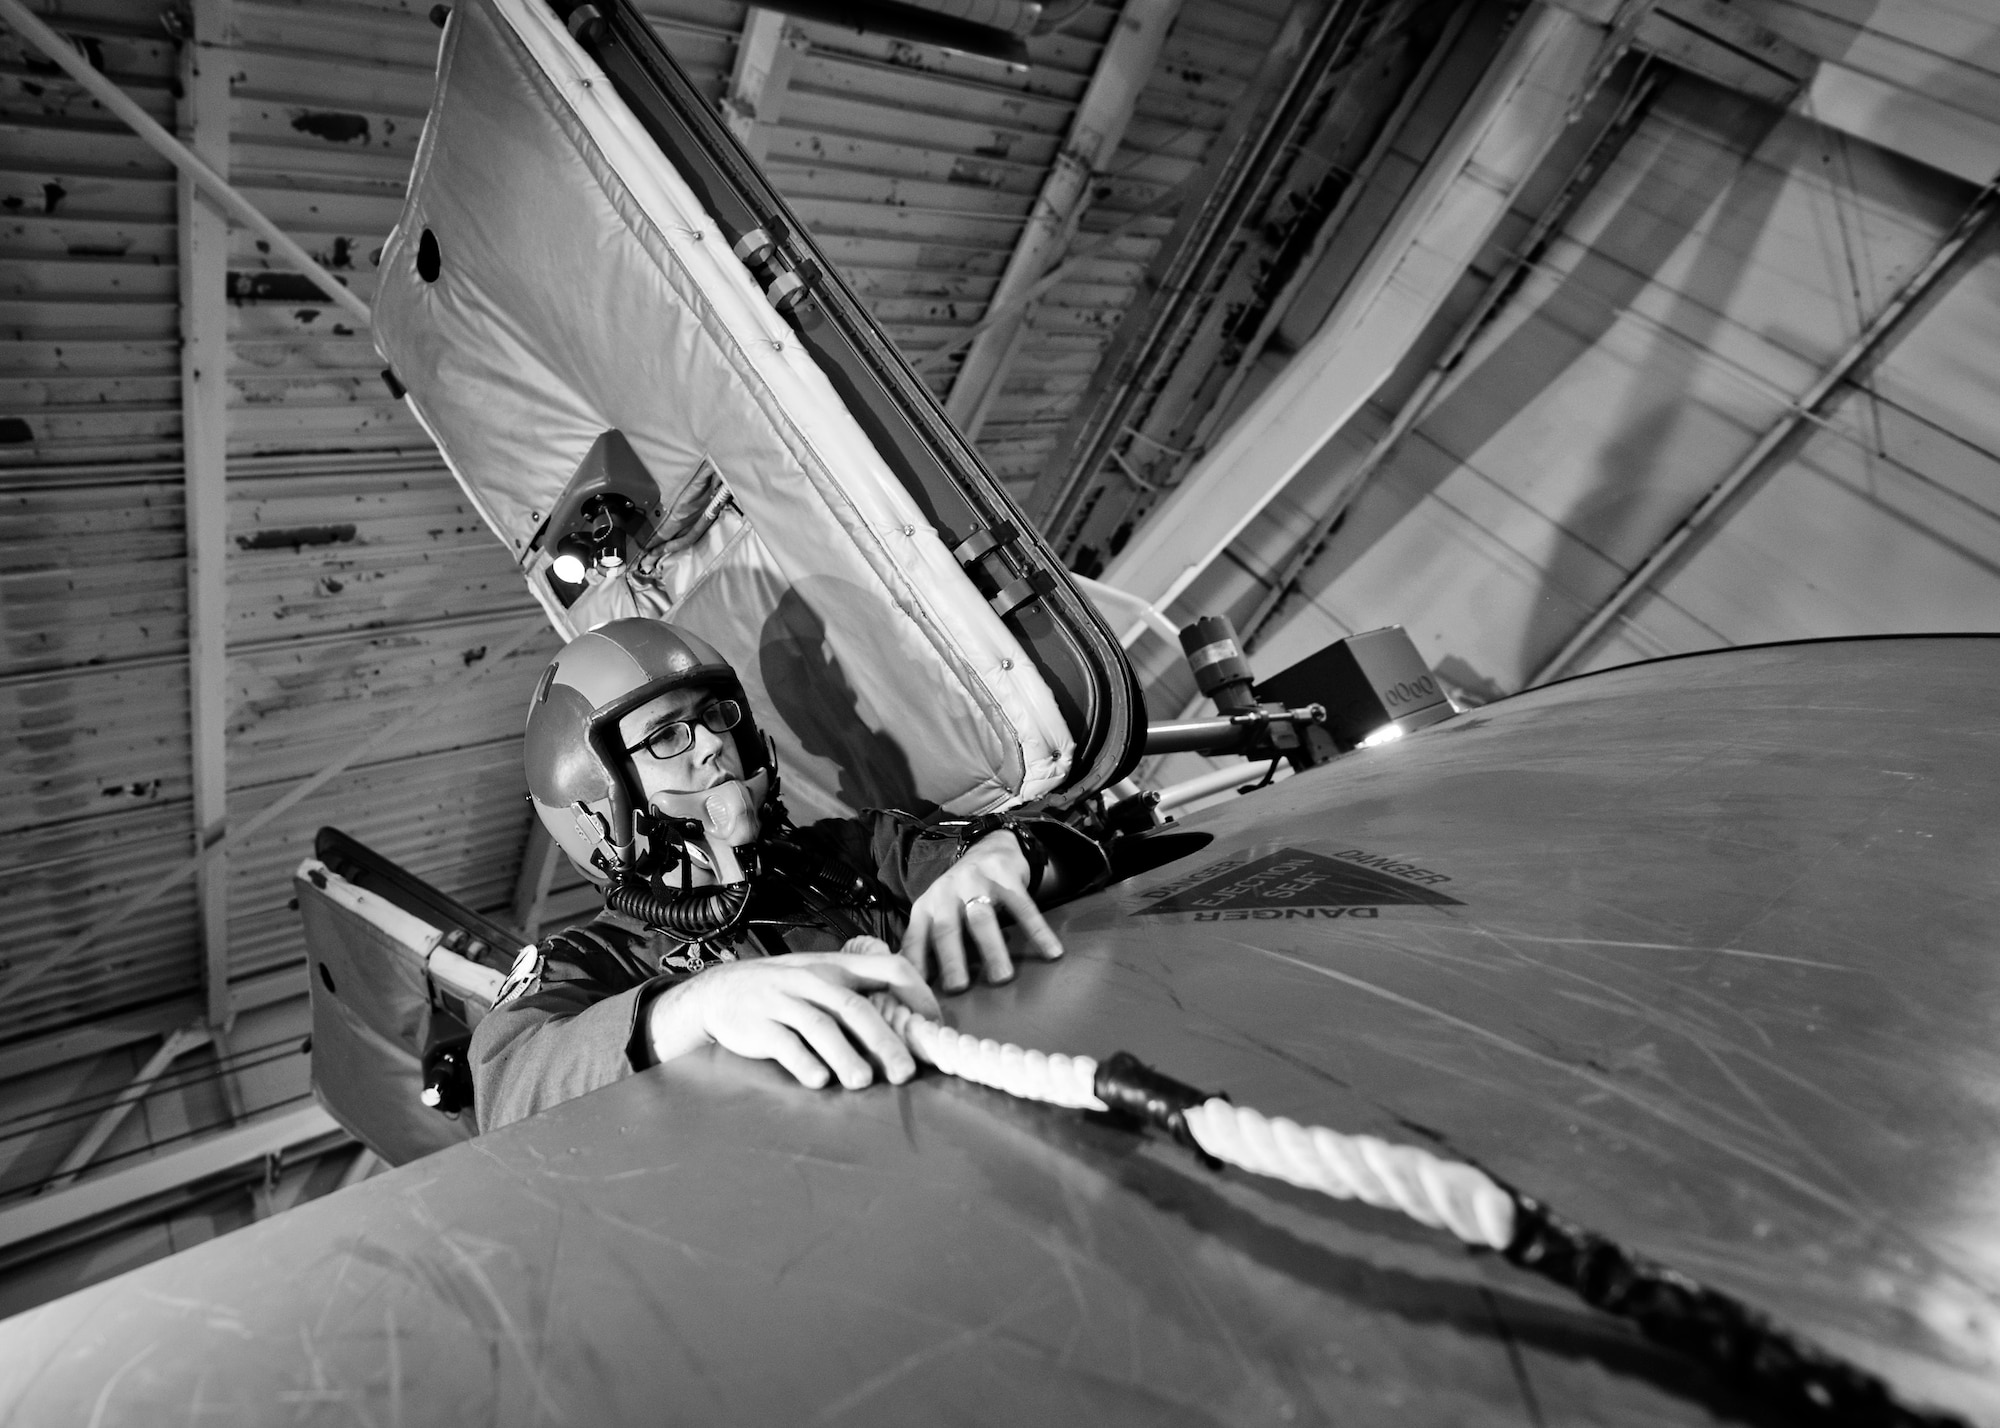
1220,670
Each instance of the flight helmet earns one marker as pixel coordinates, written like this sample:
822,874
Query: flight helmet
580,776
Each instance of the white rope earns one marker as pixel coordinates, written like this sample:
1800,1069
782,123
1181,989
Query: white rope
1444,1194
1058,1080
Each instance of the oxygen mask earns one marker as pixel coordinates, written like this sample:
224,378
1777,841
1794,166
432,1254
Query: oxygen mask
722,822
728,823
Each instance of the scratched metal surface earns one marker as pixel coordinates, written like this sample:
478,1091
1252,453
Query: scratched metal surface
1716,976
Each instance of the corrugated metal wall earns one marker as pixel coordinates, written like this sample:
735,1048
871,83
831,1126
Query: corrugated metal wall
359,581
1721,262
94,788
916,171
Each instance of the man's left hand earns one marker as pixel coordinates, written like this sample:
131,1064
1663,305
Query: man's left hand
966,902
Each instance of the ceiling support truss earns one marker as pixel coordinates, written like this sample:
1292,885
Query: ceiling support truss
1168,415
1727,495
1435,386
204,272
303,1129
173,1046
1276,181
113,1033
1706,37
365,1163
1127,62
1549,61
765,54
540,858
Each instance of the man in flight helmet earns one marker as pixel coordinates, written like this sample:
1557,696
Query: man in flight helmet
723,922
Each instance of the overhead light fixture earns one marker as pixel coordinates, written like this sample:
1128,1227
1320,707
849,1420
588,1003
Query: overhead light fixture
572,562
603,520
610,518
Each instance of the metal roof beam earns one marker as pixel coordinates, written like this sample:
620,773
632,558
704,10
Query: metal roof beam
1903,121
114,1033
1260,138
1551,61
1436,383
540,857
211,1155
1075,256
1725,496
173,1046
1095,133
204,317
364,1164
1721,42
765,53
213,184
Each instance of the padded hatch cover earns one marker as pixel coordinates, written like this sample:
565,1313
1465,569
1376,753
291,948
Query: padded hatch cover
578,287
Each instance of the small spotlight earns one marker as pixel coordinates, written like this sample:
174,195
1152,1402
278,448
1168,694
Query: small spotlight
573,560
1387,734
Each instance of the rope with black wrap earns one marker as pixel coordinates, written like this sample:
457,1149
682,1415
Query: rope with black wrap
1740,1343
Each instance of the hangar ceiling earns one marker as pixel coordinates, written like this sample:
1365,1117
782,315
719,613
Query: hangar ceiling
1715,376
1515,290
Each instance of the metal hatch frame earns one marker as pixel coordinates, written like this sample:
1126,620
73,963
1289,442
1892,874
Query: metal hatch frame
1000,551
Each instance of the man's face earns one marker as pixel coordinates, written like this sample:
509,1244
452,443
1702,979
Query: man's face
711,759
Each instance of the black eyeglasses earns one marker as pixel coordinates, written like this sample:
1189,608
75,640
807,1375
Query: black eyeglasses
678,737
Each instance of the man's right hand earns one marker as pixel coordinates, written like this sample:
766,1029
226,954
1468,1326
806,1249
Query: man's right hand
808,1011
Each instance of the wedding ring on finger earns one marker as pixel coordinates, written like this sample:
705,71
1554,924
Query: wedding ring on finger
981,901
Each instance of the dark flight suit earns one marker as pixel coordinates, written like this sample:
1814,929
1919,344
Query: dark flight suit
572,1016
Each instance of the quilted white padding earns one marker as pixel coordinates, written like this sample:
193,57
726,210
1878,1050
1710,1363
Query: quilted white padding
582,287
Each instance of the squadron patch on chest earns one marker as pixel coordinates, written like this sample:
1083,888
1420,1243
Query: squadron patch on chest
524,977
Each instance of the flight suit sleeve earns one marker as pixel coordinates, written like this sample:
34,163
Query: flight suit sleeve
902,851
909,853
562,1027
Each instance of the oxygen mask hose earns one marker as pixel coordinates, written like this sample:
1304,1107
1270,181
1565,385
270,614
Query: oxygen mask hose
727,819
692,916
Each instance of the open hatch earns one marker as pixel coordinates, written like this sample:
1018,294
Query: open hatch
661,396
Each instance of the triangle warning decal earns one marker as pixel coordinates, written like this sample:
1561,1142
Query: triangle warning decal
1292,877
